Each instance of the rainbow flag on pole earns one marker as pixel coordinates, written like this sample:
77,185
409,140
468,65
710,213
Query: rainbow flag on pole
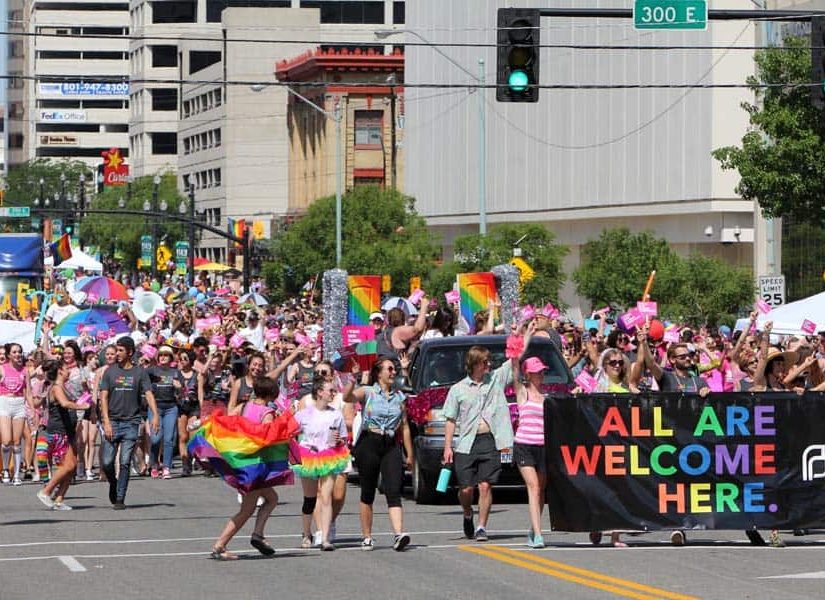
61,250
475,290
364,298
247,455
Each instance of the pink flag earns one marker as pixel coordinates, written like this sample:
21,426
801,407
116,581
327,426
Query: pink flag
808,327
763,306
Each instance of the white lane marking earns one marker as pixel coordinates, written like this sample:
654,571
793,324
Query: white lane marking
72,564
811,575
341,534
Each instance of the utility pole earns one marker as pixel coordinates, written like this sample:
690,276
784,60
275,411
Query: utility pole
190,272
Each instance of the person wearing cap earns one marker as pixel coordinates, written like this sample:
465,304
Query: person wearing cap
377,321
477,408
528,443
162,376
254,331
121,387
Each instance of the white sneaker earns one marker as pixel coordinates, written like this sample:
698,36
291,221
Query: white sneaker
61,506
17,481
6,476
90,476
45,499
36,475
317,539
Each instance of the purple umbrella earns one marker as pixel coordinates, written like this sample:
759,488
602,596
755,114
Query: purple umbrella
94,321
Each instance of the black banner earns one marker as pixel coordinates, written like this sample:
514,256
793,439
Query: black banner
673,461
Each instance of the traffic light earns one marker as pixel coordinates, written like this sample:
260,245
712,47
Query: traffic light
68,225
818,61
517,66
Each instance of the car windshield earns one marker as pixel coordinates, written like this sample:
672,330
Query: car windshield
445,366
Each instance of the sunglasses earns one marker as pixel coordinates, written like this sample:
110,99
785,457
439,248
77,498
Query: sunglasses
680,356
322,372
390,369
615,363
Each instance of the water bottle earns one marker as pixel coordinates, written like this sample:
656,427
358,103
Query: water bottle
444,478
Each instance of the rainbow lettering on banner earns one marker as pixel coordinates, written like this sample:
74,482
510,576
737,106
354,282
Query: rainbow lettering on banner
364,298
753,453
247,455
476,290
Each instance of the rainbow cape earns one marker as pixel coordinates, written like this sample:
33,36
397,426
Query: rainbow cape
248,456
61,250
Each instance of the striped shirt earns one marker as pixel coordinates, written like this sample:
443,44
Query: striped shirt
530,424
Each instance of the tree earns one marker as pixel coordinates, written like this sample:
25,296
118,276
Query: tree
474,253
23,184
381,234
698,289
615,267
121,233
781,162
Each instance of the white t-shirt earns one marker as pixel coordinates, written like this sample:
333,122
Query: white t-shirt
57,313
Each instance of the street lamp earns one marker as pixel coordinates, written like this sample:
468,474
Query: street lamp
190,255
336,117
155,185
482,141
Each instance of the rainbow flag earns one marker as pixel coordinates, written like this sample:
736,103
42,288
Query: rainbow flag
475,290
237,228
61,250
364,298
247,455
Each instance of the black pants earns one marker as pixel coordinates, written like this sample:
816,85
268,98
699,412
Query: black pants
379,454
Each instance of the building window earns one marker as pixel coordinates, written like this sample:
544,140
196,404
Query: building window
164,56
164,142
336,11
398,13
368,181
164,99
368,128
217,137
200,59
174,11
15,140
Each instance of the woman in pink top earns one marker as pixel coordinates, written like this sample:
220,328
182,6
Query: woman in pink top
528,444
13,394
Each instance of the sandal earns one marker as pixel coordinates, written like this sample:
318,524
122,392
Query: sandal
306,541
260,545
220,553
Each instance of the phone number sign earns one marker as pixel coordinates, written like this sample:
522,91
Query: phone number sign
84,88
772,289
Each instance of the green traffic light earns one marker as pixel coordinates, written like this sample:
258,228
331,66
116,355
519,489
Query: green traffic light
517,81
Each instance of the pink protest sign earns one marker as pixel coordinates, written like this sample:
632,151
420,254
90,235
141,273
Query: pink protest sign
272,335
808,327
587,382
355,334
631,319
218,340
672,335
647,309
207,322
302,339
416,296
237,340
763,306
452,297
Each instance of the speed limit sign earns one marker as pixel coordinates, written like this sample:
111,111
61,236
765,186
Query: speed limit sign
772,289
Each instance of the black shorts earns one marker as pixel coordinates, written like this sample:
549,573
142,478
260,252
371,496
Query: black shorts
189,409
528,455
483,463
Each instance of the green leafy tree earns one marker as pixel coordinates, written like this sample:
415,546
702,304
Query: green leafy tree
803,259
781,161
475,253
121,233
381,234
709,291
616,266
23,185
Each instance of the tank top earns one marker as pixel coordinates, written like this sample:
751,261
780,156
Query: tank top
213,390
304,379
384,345
245,391
530,424
61,420
189,392
14,380
255,412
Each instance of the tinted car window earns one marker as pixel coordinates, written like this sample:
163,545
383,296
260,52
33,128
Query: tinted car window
445,366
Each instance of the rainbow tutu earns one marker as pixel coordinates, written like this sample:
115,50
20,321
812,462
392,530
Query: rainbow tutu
248,456
326,462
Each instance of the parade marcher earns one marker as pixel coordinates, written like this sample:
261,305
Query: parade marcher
60,437
324,455
13,393
257,412
109,359
477,408
162,377
214,385
186,382
377,450
120,412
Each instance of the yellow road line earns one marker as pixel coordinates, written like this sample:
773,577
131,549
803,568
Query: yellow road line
615,585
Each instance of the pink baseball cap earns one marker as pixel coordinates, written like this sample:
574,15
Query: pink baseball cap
533,365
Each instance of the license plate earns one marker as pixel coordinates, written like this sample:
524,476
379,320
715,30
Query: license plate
506,456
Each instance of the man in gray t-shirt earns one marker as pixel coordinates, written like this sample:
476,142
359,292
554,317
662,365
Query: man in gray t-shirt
121,388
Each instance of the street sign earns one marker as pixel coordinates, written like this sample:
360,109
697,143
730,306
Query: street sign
670,14
146,250
15,212
772,289
181,257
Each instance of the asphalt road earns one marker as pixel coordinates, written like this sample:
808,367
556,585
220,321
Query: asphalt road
159,548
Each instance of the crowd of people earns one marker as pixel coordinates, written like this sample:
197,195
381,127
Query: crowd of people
111,407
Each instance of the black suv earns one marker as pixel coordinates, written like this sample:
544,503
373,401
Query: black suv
438,363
